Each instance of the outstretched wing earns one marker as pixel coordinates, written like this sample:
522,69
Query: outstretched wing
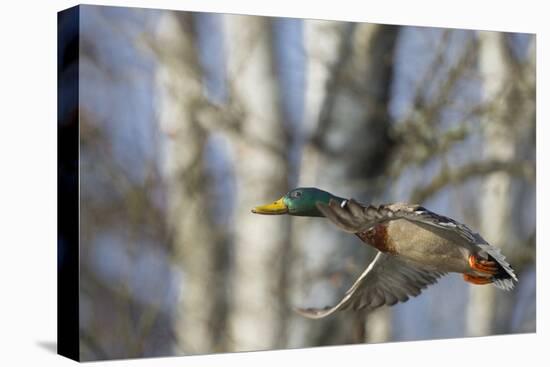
387,280
354,217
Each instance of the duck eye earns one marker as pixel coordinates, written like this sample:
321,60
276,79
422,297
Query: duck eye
296,194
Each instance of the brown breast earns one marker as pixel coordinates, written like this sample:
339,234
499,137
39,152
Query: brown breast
377,236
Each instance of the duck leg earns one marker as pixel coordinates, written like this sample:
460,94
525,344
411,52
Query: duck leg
477,279
484,266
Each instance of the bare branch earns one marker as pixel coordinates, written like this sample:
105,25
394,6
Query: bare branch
334,82
525,169
228,119
428,77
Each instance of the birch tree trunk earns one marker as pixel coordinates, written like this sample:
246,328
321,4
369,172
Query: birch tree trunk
349,143
257,312
179,97
500,144
508,85
312,243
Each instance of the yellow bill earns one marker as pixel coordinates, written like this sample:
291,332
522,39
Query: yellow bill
278,207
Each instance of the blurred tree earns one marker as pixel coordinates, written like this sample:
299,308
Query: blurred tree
240,279
258,305
121,227
499,141
506,123
311,244
194,235
349,142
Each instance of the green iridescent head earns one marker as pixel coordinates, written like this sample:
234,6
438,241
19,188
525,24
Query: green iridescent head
300,202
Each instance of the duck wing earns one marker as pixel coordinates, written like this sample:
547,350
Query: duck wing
387,280
504,279
354,217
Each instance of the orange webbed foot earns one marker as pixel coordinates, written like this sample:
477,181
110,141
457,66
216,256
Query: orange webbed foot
476,279
484,266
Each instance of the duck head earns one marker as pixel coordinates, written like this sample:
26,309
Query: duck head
299,202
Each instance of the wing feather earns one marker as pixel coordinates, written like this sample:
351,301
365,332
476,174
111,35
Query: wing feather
386,281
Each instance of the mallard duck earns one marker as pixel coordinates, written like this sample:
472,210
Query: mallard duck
415,248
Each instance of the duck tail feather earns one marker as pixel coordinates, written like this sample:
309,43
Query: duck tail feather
506,276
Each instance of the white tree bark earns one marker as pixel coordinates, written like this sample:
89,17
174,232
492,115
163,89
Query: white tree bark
346,130
179,91
495,201
313,243
256,313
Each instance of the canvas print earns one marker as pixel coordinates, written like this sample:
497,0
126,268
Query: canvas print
248,183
